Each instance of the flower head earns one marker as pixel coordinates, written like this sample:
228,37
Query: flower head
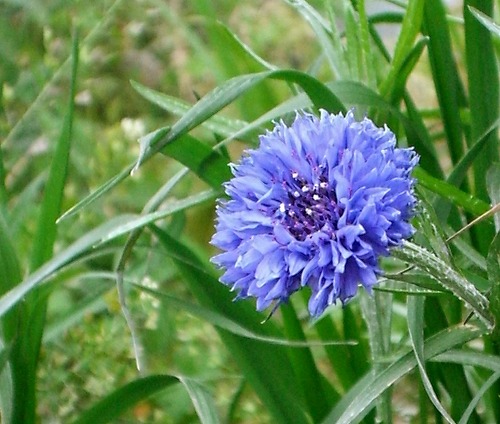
315,205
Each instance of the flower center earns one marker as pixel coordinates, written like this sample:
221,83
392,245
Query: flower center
310,208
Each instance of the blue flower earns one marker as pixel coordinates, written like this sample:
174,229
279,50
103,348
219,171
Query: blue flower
315,205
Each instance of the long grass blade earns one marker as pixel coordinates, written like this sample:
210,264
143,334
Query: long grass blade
448,277
116,403
358,401
416,330
265,366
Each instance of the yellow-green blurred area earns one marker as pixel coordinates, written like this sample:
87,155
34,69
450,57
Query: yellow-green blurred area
170,46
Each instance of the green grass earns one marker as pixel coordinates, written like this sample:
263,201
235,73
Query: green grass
104,254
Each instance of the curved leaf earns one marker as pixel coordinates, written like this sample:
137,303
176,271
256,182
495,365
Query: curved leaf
448,277
119,401
359,400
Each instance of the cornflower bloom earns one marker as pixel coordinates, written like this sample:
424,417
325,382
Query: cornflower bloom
315,205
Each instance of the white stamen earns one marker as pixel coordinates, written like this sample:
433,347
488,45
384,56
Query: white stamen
282,208
295,174
305,189
323,184
296,194
316,197
309,211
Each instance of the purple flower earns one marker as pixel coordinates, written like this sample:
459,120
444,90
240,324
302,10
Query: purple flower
315,205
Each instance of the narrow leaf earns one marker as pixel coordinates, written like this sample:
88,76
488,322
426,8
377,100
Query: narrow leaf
213,102
416,329
448,277
453,194
223,322
486,21
359,400
202,401
265,366
116,403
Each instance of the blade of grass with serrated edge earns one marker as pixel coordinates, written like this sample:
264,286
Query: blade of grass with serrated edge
265,366
116,403
448,277
358,401
415,307
429,233
213,102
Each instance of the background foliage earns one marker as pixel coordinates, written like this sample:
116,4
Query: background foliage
123,278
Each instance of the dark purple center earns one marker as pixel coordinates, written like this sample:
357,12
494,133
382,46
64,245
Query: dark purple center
309,208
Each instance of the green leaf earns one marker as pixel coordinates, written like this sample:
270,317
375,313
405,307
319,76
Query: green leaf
358,401
447,83
488,23
353,47
480,393
213,102
493,181
205,162
483,83
448,277
221,321
43,242
217,123
6,384
416,330
453,194
112,229
308,376
459,173
202,400
429,230
330,43
406,69
265,366
493,264
410,28
116,403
